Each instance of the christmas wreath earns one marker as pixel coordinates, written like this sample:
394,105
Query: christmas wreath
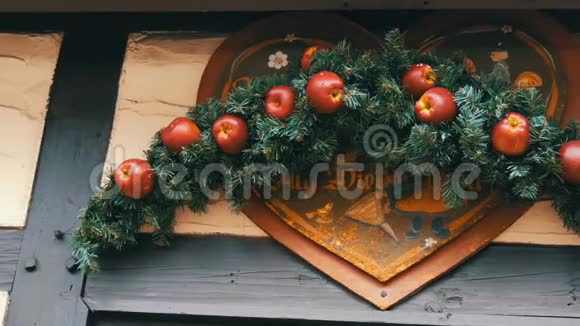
442,110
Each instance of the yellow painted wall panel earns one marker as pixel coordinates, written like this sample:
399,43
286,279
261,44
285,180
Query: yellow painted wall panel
27,63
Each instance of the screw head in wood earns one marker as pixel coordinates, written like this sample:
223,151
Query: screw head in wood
30,264
71,265
58,234
383,293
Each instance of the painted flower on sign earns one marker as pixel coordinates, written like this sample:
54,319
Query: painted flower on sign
290,38
278,60
507,29
429,242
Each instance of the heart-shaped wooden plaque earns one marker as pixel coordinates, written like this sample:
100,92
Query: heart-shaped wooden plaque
381,250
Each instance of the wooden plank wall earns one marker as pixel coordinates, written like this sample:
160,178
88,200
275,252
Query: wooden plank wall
257,278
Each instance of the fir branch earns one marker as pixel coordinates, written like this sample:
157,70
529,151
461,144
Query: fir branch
373,95
451,198
567,205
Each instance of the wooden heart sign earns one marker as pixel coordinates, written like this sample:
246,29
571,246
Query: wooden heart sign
381,248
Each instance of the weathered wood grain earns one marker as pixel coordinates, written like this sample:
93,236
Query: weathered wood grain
10,242
224,276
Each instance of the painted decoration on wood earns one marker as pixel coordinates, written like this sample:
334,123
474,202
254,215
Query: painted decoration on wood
380,250
275,45
537,49
505,49
381,236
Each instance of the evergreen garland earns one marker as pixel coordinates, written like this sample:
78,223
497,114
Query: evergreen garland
373,95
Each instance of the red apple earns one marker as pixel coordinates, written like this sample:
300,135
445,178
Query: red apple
179,133
435,106
325,90
418,79
135,178
511,136
230,133
308,56
280,102
570,160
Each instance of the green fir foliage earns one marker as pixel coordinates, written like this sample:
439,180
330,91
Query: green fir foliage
373,96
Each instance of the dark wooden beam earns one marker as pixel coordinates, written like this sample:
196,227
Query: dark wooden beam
377,21
271,5
10,241
251,278
131,319
75,141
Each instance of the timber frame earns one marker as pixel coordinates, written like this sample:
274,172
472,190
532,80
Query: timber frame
223,280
